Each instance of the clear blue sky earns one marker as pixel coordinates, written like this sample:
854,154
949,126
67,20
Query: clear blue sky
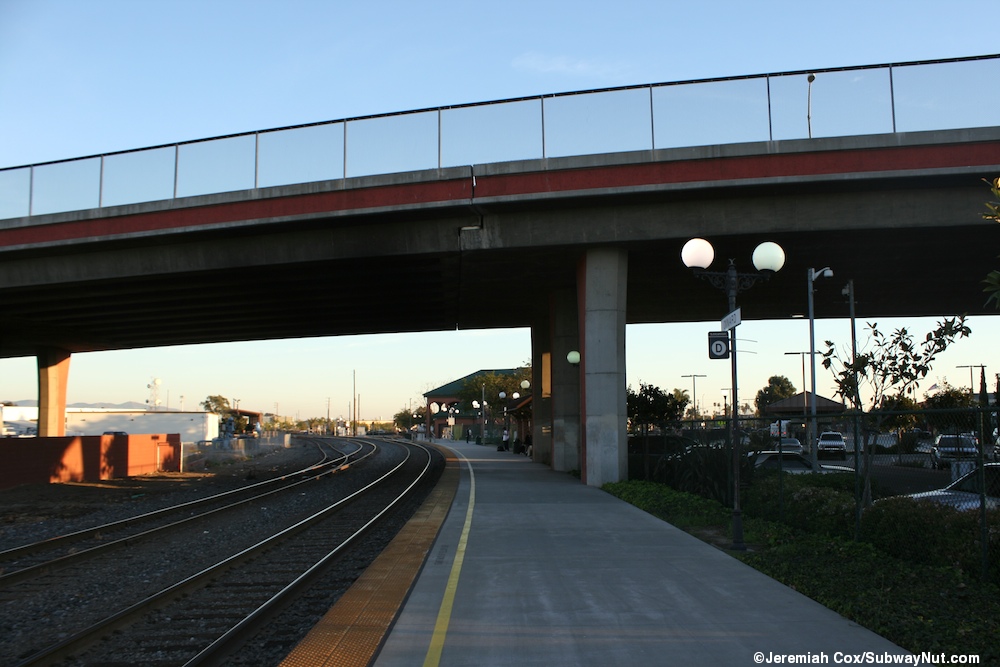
91,76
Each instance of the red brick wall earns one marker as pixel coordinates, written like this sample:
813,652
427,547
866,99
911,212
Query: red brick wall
89,458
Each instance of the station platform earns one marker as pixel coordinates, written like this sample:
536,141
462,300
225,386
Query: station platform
532,567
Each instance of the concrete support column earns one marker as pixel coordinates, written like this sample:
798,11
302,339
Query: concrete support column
565,382
602,287
541,390
53,378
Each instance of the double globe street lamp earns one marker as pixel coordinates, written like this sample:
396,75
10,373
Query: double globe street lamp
768,258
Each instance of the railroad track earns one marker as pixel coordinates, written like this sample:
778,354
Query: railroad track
40,558
204,616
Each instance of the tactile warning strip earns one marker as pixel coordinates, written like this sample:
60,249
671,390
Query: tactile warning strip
350,634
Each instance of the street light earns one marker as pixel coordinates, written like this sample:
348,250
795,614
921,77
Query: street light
848,292
506,429
812,275
804,404
768,258
972,387
694,391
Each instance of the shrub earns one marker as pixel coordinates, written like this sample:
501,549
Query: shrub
918,607
681,509
930,533
811,503
700,469
763,533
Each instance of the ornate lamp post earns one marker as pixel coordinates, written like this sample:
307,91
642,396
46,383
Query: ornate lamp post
768,258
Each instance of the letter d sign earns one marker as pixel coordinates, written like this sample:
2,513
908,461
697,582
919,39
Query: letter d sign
718,344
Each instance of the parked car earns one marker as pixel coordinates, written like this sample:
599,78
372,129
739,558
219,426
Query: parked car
832,443
963,493
949,448
790,445
792,463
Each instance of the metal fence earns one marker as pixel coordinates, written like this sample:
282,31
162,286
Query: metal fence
848,101
922,486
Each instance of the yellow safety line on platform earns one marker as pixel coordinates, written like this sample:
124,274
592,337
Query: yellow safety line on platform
433,657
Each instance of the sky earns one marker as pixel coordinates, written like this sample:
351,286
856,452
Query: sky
92,76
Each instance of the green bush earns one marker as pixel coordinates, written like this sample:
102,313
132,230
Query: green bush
684,510
760,533
811,503
902,582
932,534
700,469
917,607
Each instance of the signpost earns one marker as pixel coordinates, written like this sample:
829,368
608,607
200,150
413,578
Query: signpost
731,320
718,345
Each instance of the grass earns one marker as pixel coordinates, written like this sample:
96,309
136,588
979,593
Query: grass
918,606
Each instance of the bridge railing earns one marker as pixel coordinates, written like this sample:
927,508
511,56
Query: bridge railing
871,99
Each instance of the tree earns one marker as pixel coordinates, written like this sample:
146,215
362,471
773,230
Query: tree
489,385
898,414
218,405
778,388
406,419
949,409
993,279
653,407
894,364
888,370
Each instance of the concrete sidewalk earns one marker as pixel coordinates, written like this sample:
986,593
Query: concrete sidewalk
558,573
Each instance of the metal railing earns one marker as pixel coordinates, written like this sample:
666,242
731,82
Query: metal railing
870,99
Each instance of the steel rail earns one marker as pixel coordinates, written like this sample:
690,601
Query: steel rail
124,617
38,569
44,545
216,652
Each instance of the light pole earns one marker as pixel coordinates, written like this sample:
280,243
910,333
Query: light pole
812,275
972,387
506,427
804,403
768,258
529,424
694,390
848,291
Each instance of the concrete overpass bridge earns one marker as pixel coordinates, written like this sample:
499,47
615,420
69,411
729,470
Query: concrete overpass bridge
572,246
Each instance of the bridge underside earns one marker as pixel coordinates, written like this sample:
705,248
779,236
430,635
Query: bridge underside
572,248
321,279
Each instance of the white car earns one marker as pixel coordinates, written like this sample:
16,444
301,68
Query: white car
832,443
963,493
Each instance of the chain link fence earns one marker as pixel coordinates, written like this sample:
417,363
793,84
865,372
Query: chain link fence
922,486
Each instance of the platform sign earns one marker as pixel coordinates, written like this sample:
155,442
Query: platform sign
718,345
731,320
